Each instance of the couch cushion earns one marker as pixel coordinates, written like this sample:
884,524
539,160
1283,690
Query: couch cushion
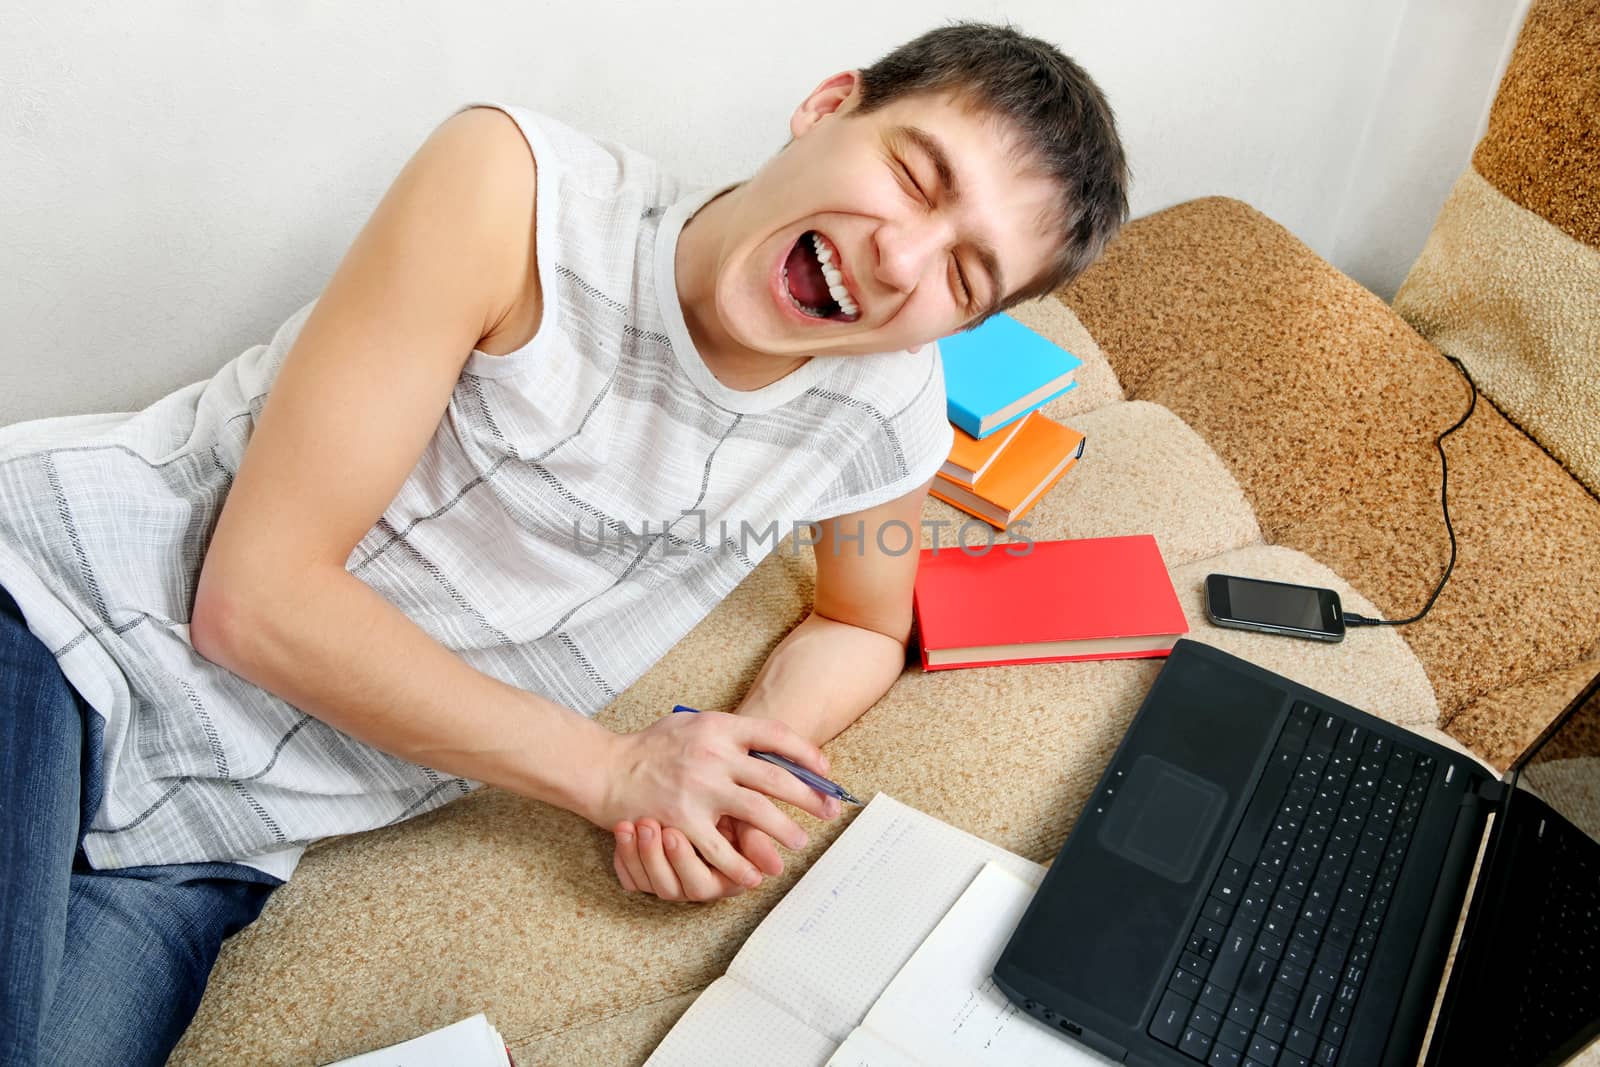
629,1037
1502,724
504,905
507,906
1542,147
1509,280
1517,301
1097,382
1325,406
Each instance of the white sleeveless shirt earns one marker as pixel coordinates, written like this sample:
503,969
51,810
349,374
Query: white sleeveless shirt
583,503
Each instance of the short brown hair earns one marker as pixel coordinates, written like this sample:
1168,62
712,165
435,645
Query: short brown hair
1062,117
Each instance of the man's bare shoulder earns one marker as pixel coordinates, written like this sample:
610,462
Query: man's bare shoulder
491,139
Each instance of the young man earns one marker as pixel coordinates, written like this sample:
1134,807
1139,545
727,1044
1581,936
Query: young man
965,172
405,534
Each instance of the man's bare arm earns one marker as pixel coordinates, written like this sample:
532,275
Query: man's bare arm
829,670
847,653
439,264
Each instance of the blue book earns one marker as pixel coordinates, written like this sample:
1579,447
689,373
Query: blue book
999,372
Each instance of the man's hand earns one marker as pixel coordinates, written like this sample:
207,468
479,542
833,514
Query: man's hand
821,677
691,772
648,859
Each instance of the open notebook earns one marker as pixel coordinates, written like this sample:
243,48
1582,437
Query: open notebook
472,1042
897,927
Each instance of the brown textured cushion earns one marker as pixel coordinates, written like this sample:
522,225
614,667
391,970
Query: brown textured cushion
1325,406
1542,148
1501,725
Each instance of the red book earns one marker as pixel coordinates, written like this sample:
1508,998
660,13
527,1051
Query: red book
1092,598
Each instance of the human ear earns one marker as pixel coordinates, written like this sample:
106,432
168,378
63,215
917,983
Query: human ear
825,100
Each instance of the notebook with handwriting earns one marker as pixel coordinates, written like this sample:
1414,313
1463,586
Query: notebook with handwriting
809,974
944,1010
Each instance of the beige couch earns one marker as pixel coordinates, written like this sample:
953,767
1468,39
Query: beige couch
1253,408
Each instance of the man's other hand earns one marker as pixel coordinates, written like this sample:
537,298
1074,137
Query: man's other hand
689,773
649,859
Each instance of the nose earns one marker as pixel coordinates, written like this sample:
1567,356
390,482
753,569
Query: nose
904,250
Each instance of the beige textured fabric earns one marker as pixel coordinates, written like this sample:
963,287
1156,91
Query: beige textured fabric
626,1038
1143,471
1518,301
1097,382
1373,668
1572,787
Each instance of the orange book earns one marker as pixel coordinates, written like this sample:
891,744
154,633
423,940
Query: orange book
970,458
1042,451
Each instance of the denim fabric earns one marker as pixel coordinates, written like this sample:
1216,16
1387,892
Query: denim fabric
96,967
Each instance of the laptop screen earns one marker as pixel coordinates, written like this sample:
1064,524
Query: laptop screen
1563,767
1529,990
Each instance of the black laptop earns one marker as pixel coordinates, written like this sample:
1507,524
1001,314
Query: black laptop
1267,876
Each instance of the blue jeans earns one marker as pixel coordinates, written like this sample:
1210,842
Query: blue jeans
96,967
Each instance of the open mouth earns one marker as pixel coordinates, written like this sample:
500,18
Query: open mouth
814,282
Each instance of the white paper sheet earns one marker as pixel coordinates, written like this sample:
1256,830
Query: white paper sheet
943,1008
472,1042
831,946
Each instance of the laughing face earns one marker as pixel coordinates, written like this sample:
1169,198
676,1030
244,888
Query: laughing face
867,233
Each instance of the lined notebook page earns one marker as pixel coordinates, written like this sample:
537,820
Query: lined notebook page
832,945
943,1008
732,1025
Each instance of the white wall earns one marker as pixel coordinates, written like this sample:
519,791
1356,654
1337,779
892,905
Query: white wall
176,178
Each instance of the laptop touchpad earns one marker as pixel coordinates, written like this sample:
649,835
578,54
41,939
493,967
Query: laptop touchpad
1163,817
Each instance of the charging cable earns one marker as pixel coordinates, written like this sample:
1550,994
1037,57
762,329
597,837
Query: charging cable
1351,619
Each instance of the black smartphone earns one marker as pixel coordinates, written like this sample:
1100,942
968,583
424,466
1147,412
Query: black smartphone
1274,607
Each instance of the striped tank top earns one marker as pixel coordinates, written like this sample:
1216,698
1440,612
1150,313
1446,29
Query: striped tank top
583,503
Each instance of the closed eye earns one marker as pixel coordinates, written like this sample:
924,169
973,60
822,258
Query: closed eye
912,179
963,290
965,294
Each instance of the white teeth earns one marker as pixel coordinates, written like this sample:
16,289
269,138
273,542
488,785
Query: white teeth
832,275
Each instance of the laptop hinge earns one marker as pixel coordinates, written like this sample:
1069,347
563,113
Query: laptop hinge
1492,793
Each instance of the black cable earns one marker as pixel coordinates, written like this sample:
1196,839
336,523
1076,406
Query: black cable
1444,499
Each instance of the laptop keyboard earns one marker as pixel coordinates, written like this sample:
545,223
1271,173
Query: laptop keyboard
1276,960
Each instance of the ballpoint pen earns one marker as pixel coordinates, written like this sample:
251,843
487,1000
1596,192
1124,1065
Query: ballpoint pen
809,777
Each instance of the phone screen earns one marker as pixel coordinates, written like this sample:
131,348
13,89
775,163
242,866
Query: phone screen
1275,605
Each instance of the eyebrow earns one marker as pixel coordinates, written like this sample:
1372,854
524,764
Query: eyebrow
934,150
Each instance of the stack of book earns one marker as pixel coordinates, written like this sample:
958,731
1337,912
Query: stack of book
1006,454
